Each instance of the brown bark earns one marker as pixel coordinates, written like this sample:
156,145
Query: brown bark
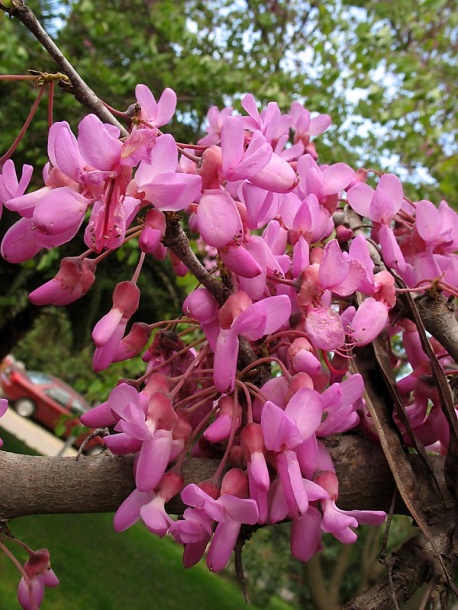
32,485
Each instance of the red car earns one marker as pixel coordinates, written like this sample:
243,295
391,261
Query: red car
47,400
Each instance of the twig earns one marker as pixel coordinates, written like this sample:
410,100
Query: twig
80,89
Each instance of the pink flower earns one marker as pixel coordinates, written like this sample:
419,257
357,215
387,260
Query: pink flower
194,532
38,576
10,187
339,522
73,280
221,427
325,182
215,118
229,511
156,113
109,330
252,321
305,126
367,323
381,204
218,219
238,163
149,506
160,182
283,431
145,425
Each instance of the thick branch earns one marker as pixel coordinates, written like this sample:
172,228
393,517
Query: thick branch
410,567
82,92
44,485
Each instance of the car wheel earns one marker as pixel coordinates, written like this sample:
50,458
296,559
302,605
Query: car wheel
24,407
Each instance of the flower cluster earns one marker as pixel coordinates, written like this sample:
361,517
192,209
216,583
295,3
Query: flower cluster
257,372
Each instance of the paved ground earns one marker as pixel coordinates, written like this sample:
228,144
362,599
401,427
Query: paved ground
33,435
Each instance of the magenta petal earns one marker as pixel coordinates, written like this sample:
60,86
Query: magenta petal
153,460
106,327
337,177
97,145
19,243
277,176
333,267
240,509
129,511
319,124
338,522
50,579
393,187
146,100
9,186
220,429
218,219
62,209
63,150
164,160
99,416
263,318
30,599
292,483
306,410
165,107
259,471
369,321
121,444
232,137
240,261
222,545
324,328
307,455
278,429
352,389
306,535
154,516
301,256
225,364
391,252
428,221
360,197
121,396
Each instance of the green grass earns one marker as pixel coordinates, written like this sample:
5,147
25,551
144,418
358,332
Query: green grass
101,570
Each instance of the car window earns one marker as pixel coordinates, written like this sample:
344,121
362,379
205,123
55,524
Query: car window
39,378
59,395
77,407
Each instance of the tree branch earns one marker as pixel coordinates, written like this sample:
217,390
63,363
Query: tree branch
50,485
81,90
